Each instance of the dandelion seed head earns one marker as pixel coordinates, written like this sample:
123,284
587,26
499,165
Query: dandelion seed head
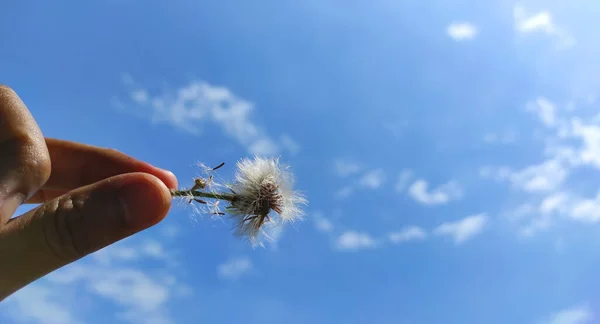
261,186
261,197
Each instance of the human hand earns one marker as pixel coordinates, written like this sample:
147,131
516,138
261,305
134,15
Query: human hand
90,197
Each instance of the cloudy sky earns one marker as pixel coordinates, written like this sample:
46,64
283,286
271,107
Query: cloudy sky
450,151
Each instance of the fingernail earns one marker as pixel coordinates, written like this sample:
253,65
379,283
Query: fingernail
146,201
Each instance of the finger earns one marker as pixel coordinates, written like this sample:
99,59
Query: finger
43,195
79,223
24,159
75,165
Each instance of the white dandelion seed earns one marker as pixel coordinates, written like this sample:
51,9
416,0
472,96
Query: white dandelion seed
261,193
261,186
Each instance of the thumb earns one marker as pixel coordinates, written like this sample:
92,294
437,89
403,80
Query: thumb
76,224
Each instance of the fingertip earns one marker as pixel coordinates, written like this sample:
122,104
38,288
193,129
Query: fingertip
169,178
166,176
146,200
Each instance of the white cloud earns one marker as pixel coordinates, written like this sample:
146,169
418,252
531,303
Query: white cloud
590,137
556,202
111,276
322,224
461,31
170,231
550,175
570,206
154,249
507,137
352,241
40,304
545,110
140,96
536,224
543,177
410,233
121,252
234,268
116,253
495,173
580,314
586,210
540,22
344,192
345,167
464,229
546,176
403,180
130,288
440,195
289,144
263,146
127,79
192,106
521,211
527,23
372,179
532,217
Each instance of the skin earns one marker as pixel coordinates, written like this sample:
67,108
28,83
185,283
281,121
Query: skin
90,197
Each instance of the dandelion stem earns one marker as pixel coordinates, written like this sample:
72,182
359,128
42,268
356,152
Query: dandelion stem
196,193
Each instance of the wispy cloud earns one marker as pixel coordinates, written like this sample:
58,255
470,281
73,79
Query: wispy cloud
170,231
461,31
586,210
545,110
289,144
527,23
540,217
344,192
535,225
234,268
192,106
154,249
543,177
353,241
149,249
540,22
554,202
346,167
113,276
322,224
464,229
443,194
40,304
140,96
403,181
579,314
572,143
372,179
410,233
130,288
546,176
589,135
507,137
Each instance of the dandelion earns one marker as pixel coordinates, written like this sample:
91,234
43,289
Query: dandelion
262,192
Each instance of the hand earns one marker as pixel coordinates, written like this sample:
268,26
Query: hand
90,198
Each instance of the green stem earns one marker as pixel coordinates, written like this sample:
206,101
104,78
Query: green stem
196,193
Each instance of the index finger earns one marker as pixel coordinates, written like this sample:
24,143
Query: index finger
75,165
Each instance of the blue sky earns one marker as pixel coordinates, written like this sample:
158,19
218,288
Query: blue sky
450,152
